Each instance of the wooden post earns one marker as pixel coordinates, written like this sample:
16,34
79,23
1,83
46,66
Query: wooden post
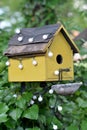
23,86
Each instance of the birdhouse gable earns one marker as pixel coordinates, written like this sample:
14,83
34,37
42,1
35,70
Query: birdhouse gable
33,41
69,40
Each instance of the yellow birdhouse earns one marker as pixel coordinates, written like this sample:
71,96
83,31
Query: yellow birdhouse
41,54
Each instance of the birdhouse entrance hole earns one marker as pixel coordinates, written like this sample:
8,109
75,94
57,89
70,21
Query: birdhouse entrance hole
59,59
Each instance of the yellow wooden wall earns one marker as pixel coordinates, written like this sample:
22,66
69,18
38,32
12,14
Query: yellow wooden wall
59,46
29,71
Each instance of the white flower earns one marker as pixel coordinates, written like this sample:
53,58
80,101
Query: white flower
20,38
34,62
45,36
51,106
50,54
56,72
20,66
32,102
15,95
7,63
55,127
40,98
30,39
60,108
51,91
77,57
17,30
34,97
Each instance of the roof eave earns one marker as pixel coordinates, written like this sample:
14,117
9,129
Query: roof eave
70,41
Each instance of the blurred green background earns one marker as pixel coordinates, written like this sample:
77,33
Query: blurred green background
15,108
39,12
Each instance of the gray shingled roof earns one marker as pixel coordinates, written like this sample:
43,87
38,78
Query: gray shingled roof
32,41
36,33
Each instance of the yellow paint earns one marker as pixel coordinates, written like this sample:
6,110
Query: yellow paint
44,70
29,71
59,47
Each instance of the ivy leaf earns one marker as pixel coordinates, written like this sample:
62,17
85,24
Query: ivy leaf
72,127
35,128
3,117
52,101
31,113
19,128
16,113
21,102
3,108
82,103
27,96
84,125
56,121
42,119
10,123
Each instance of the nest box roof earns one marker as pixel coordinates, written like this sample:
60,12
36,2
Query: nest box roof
30,41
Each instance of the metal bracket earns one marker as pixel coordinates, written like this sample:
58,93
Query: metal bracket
63,70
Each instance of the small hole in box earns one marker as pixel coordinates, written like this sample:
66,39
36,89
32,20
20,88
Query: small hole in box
59,59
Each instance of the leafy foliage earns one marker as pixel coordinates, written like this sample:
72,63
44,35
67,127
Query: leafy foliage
22,111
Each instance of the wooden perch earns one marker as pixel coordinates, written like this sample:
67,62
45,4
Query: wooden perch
66,89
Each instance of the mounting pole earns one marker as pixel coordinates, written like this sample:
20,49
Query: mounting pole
23,87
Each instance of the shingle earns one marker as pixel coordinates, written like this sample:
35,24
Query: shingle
32,41
35,33
24,50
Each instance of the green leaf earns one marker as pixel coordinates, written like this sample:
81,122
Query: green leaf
3,117
72,127
27,96
21,103
82,103
22,100
16,113
10,123
31,113
42,119
1,94
2,66
69,107
19,128
57,122
52,101
84,125
35,128
3,108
